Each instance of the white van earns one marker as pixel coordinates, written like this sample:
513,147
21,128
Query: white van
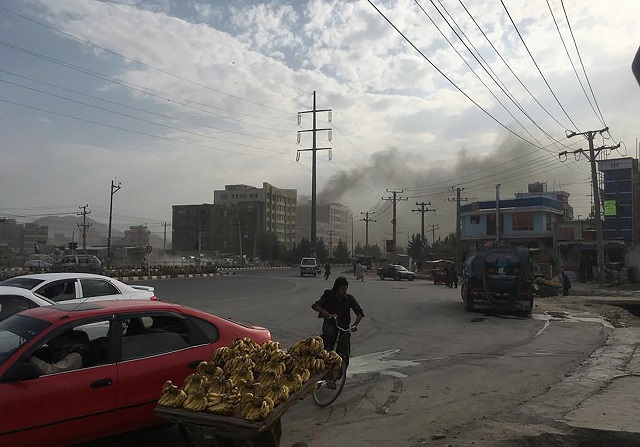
308,266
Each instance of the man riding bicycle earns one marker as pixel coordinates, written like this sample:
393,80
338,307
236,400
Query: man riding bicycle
337,301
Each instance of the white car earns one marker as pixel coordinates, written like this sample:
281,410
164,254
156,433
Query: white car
79,287
15,299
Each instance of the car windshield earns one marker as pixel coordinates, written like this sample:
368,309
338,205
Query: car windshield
22,282
17,330
400,268
308,262
502,264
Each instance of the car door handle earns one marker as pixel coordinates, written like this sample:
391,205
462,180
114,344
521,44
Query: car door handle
194,363
102,383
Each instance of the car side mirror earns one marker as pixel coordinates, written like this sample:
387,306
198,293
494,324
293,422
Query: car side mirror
22,371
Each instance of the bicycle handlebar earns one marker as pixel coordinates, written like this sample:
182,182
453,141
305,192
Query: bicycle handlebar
335,319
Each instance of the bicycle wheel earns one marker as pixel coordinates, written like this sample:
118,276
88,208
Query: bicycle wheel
324,394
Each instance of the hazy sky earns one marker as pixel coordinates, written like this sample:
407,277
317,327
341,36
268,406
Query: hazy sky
177,98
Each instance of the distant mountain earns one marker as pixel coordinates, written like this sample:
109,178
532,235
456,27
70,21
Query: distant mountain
67,225
97,233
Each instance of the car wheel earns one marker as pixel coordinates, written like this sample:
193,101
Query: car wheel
381,276
396,278
468,300
411,278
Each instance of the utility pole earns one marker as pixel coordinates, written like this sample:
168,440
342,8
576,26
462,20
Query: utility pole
433,229
314,149
395,200
114,189
591,156
164,242
239,224
366,220
458,199
497,213
84,226
422,210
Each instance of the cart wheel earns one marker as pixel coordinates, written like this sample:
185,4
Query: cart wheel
324,394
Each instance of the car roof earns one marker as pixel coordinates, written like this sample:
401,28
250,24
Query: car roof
73,311
69,275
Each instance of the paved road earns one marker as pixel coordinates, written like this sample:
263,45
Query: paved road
421,366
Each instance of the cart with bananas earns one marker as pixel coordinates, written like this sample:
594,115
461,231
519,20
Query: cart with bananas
239,396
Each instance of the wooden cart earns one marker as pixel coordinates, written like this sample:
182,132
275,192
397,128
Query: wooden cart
204,429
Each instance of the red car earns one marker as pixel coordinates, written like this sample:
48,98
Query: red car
133,348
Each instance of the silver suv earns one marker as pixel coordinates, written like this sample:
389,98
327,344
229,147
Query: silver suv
79,263
308,266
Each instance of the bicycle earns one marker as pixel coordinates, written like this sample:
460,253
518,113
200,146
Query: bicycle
327,391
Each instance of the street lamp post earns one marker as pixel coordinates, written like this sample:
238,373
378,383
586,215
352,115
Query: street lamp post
114,188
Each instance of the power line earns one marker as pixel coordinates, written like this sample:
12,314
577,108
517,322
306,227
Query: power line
494,77
133,131
142,63
449,79
536,64
139,109
573,65
136,87
509,67
580,59
138,118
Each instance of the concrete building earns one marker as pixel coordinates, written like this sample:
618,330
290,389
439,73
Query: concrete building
278,205
333,223
192,227
527,220
621,198
137,236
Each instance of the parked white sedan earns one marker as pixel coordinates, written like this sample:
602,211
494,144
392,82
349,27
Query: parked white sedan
79,287
15,299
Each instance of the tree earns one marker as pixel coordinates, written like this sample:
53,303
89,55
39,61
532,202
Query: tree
416,247
268,247
444,248
374,251
359,249
341,252
322,252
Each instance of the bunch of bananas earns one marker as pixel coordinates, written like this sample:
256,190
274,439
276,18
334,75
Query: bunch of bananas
241,373
247,387
248,380
224,404
292,381
239,361
196,400
171,396
276,392
311,346
244,346
333,362
221,385
221,356
304,373
193,382
255,407
209,372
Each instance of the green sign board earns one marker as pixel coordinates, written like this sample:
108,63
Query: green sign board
610,208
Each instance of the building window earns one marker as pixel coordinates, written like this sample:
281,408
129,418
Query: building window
475,220
522,221
549,222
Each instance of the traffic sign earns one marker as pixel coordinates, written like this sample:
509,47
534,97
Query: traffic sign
148,249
